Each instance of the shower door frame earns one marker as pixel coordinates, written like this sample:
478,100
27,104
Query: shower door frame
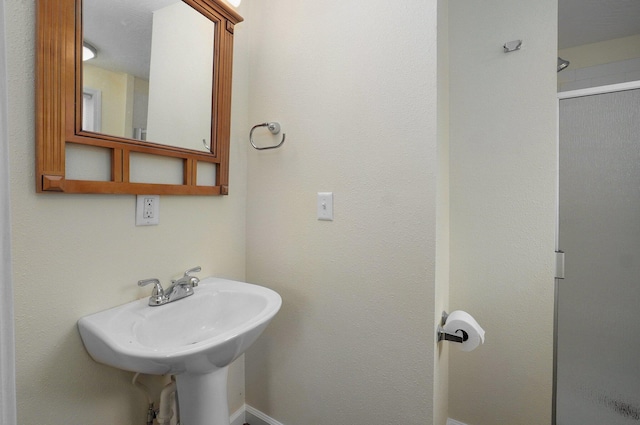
570,94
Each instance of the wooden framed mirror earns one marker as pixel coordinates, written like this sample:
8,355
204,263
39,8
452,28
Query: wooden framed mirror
79,149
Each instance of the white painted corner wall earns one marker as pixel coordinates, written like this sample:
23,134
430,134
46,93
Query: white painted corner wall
354,87
503,188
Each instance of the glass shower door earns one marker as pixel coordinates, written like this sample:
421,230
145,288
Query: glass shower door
598,301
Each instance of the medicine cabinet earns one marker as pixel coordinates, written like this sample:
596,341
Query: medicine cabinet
154,120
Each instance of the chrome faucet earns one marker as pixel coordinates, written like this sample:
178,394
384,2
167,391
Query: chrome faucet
179,288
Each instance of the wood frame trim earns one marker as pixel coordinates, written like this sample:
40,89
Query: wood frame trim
58,108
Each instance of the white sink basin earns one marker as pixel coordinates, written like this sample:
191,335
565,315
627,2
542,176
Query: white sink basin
197,334
195,338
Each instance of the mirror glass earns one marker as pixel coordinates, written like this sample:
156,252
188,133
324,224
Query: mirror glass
152,74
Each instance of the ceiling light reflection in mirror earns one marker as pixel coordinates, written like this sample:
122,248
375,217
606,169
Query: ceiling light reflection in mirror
153,73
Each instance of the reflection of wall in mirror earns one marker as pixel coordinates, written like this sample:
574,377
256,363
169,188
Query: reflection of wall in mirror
140,108
119,111
91,109
180,88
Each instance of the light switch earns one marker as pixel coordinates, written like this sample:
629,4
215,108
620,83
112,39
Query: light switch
325,206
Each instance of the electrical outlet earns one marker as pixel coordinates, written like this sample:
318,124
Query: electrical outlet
148,207
147,210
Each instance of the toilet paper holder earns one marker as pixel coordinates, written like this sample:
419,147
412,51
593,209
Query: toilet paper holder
444,336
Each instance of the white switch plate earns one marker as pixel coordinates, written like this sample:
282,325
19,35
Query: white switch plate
147,210
325,206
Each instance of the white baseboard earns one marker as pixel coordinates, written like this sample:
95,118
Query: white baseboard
238,417
252,416
256,417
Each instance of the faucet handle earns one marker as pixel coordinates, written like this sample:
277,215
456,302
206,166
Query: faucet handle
157,294
193,270
145,282
191,280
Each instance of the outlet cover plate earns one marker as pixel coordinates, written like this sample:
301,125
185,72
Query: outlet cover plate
147,210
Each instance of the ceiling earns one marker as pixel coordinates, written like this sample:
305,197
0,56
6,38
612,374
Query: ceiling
589,21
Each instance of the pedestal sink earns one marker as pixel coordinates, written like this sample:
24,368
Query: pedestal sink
195,338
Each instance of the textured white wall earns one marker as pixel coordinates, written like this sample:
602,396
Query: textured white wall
74,255
354,87
503,185
443,248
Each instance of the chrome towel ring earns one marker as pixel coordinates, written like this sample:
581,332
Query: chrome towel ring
274,128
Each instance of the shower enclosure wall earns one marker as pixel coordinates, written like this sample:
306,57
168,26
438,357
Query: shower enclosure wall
598,301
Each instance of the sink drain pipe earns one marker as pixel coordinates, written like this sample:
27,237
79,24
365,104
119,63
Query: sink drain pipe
145,390
167,414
